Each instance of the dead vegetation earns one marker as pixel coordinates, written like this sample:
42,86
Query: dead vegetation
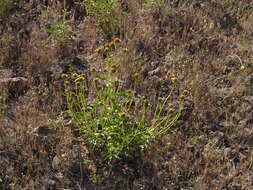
206,45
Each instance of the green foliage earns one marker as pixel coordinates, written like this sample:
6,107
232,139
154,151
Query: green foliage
154,2
157,4
61,33
4,5
231,1
3,104
100,8
115,122
109,16
160,7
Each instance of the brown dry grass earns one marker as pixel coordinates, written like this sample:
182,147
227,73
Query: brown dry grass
204,44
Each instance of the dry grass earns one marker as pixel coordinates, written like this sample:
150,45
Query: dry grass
206,45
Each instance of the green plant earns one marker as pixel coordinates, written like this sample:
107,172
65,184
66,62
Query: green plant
116,122
160,8
60,32
155,3
110,18
231,1
3,99
4,6
2,106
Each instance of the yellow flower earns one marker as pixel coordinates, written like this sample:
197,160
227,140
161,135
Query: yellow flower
117,40
66,82
113,70
99,50
125,49
107,45
171,110
122,114
182,97
64,75
135,75
130,92
146,102
93,69
106,49
96,80
79,79
112,44
99,87
186,92
160,99
113,66
173,80
171,106
74,75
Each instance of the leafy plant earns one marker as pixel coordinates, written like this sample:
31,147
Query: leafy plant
156,3
231,1
4,5
60,32
109,17
160,8
3,99
115,122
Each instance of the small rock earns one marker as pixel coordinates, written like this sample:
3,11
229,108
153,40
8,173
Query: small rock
249,99
5,73
56,163
59,176
44,131
154,72
15,86
49,184
13,80
227,152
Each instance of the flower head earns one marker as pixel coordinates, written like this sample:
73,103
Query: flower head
78,82
122,114
186,92
146,102
66,82
135,75
182,96
99,86
98,50
93,69
114,66
96,80
106,49
173,80
117,40
112,44
75,75
79,79
125,49
113,70
171,110
64,75
171,106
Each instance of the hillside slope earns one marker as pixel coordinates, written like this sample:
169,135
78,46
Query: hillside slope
199,50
